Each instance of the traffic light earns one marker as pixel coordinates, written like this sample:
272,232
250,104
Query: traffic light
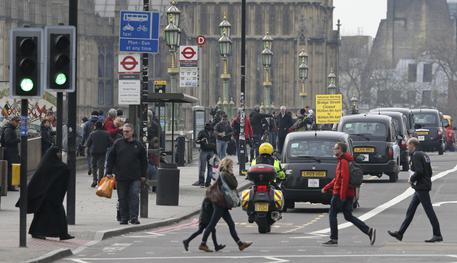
60,58
26,61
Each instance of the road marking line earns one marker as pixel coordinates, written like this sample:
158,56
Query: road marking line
85,260
442,203
305,225
276,260
407,193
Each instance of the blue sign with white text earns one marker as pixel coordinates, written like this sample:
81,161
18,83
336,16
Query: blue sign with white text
139,32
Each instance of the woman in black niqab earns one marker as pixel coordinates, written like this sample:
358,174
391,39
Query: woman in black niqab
45,193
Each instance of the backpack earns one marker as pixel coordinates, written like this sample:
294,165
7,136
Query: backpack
355,174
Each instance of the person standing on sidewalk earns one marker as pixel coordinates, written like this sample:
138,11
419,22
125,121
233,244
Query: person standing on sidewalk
343,197
207,140
220,206
206,212
46,136
285,121
98,144
88,127
224,133
128,158
10,141
421,182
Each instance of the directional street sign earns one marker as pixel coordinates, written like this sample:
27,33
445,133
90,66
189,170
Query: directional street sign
129,63
139,32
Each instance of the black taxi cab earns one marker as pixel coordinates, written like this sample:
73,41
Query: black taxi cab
375,146
309,164
429,130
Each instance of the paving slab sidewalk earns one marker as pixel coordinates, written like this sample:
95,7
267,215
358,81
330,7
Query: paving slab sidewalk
95,219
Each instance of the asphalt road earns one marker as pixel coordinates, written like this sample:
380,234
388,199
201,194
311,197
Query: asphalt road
298,236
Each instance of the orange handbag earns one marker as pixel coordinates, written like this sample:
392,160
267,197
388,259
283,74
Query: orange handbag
105,187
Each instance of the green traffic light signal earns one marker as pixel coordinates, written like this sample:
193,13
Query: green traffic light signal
26,84
60,79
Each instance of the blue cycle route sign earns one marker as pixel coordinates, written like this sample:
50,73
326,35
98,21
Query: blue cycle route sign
139,32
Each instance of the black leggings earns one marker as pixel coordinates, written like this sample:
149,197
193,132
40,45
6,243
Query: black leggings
219,213
200,230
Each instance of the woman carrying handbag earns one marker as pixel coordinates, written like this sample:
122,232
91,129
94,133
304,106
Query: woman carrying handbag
224,197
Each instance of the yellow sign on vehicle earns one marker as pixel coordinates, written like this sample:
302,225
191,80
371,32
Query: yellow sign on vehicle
363,150
329,108
261,207
313,173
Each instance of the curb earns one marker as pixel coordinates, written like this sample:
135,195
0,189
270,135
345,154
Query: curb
106,234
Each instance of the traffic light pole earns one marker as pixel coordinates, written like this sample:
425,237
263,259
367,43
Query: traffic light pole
59,117
23,178
72,99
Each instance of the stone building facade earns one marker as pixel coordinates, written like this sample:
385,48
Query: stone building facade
293,24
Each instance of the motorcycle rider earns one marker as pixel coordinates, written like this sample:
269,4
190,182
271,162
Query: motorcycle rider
266,157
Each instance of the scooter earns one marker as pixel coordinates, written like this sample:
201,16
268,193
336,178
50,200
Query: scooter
262,202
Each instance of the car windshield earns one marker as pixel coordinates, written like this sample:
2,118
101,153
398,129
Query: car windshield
317,148
422,119
366,130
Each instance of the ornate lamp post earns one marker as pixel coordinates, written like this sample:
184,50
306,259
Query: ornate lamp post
331,82
267,56
354,105
303,71
173,39
225,49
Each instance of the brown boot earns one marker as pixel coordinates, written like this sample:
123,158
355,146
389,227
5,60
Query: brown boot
204,247
243,245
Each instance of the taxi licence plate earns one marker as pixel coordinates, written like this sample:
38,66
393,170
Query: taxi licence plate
261,207
313,173
364,150
422,133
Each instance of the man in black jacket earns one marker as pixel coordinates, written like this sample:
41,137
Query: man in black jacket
421,182
10,141
207,140
256,122
285,121
128,158
98,144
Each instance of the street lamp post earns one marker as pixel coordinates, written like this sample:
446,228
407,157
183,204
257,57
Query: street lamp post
303,71
267,56
225,49
331,82
173,39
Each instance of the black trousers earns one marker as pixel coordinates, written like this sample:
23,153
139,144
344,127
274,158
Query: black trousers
336,205
219,213
201,228
421,197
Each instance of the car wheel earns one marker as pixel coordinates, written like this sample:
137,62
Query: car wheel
288,205
393,177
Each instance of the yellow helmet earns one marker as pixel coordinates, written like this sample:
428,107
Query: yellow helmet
266,148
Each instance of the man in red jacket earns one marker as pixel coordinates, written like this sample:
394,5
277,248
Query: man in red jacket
343,196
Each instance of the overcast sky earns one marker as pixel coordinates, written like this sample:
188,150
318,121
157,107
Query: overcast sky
359,16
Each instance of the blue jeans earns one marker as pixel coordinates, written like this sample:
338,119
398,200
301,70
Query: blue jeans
421,197
221,148
336,205
204,157
128,193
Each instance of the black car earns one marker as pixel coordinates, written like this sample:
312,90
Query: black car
374,143
428,130
401,130
408,114
310,164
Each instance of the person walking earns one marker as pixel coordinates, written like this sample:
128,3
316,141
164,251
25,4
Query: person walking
128,158
421,181
10,141
89,126
236,124
46,136
206,212
45,194
256,122
98,144
220,206
207,140
285,121
343,197
109,125
224,134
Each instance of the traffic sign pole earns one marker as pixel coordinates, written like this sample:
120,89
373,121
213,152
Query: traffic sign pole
23,178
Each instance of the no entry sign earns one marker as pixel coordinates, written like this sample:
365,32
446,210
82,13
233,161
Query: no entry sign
188,53
129,63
